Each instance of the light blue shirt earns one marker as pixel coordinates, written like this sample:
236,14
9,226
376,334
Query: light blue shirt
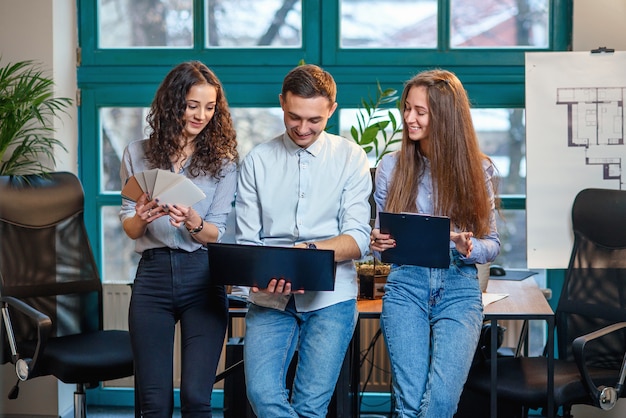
288,195
214,209
486,248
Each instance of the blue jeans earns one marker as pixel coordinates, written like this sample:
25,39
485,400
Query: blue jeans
431,322
272,337
172,286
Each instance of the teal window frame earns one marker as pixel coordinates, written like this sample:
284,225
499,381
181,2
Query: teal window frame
240,57
494,78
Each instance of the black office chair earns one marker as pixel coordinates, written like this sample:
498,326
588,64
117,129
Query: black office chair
50,290
590,319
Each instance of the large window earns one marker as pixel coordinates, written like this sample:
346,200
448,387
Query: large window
128,46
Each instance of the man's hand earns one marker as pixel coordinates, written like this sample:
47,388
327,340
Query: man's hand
277,287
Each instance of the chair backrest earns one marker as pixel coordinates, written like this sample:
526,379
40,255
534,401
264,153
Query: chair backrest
45,255
594,290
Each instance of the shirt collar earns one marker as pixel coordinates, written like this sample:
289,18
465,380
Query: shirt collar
314,149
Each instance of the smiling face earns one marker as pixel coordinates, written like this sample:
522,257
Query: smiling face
305,118
201,101
417,117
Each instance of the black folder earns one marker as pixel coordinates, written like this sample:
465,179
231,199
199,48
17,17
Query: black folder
256,265
421,240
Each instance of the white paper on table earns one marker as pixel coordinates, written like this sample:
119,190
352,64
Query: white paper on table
489,298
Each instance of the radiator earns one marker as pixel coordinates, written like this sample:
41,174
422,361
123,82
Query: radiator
375,372
375,368
115,300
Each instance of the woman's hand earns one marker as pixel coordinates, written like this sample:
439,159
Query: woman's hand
381,242
148,210
463,242
180,215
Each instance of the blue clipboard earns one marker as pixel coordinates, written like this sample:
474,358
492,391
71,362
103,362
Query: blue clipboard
421,240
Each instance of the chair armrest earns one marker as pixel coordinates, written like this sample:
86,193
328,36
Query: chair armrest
604,398
42,321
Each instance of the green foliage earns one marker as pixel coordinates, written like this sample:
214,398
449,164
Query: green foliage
373,120
27,111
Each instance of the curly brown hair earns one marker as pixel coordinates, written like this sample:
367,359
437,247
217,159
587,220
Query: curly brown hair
215,146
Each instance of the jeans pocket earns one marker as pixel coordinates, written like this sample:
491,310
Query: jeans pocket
466,270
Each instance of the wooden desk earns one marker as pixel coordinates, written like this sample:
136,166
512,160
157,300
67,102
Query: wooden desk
525,302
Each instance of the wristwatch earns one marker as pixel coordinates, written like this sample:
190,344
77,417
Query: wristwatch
311,245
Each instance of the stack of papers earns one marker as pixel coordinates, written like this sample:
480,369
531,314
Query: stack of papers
167,187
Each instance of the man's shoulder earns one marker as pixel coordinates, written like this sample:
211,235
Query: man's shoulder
267,146
342,142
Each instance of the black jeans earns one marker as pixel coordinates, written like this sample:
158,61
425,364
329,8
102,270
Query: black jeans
172,286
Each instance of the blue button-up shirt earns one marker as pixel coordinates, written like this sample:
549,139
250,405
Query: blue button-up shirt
288,195
485,249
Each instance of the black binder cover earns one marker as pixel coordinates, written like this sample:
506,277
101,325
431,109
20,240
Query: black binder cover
256,265
421,240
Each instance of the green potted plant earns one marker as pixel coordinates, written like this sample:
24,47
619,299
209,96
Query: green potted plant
378,132
27,111
373,120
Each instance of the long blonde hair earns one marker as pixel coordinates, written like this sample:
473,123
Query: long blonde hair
456,161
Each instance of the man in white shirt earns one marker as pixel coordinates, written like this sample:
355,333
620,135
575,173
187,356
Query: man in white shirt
309,189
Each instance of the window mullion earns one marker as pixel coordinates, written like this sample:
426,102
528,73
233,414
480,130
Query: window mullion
443,26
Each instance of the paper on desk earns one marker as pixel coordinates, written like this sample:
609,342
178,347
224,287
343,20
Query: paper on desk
489,298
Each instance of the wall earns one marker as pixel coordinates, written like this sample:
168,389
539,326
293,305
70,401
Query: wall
599,23
43,31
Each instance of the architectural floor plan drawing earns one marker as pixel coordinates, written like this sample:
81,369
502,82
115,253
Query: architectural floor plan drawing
596,125
575,139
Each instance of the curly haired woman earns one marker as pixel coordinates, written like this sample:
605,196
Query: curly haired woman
192,134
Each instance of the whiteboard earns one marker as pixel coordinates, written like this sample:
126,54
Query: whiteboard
574,140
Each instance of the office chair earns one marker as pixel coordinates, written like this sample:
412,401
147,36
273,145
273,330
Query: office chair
590,319
50,290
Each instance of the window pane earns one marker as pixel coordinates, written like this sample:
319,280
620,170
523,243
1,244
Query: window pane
388,23
122,125
511,226
254,23
118,251
143,24
502,136
499,23
119,127
256,125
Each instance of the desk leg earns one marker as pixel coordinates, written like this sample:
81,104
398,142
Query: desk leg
551,367
354,351
493,398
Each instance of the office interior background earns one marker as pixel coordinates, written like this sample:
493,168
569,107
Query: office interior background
110,55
